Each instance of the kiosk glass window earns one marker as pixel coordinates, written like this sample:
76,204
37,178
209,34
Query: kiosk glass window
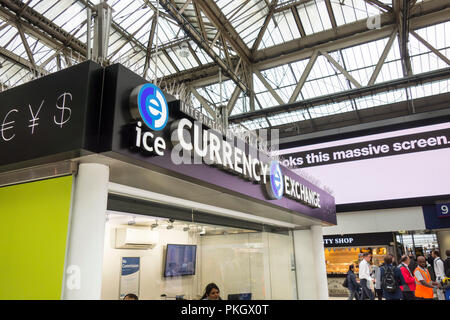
243,263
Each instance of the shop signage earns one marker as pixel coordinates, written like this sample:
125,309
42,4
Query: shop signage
252,139
52,115
193,143
192,147
129,278
434,216
147,101
355,240
338,241
443,210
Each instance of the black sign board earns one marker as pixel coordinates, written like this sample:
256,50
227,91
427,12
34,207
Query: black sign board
55,116
358,240
116,132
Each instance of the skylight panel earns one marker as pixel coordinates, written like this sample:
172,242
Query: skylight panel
298,68
228,7
287,26
165,31
279,76
163,64
124,10
362,75
285,93
321,69
343,13
42,53
136,20
57,8
205,59
6,70
71,17
268,38
7,35
18,48
427,62
241,104
390,71
143,32
422,58
314,16
163,68
42,6
188,62
267,99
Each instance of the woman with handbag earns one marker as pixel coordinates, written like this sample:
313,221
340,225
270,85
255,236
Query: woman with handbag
352,285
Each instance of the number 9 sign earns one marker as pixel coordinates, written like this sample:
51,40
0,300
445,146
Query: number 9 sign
443,210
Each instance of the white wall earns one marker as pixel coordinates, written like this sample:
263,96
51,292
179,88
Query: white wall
152,281
305,267
372,221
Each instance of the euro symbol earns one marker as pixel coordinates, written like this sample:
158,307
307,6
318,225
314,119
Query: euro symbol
155,109
277,180
64,117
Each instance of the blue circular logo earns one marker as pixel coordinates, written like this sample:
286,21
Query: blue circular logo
152,106
276,180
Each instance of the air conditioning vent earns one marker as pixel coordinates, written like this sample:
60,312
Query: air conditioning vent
136,238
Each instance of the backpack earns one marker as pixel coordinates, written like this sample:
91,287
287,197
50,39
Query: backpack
389,283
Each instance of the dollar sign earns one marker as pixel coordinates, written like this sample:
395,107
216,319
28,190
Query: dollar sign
63,109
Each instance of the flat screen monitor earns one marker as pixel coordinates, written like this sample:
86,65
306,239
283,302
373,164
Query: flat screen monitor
240,296
180,260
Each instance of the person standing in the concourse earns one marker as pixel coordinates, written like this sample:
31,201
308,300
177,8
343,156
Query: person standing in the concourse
439,271
447,264
377,275
424,284
412,263
364,277
409,282
353,285
391,279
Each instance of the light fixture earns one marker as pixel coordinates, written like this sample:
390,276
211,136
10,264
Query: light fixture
132,222
170,226
184,50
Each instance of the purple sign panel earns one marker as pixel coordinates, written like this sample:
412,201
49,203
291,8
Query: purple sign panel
188,149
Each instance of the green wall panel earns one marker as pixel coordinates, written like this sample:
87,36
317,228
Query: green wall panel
33,232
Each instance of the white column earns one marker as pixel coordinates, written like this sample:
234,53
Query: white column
443,238
319,262
266,266
305,270
84,258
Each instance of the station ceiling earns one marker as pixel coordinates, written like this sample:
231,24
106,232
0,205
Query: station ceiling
270,63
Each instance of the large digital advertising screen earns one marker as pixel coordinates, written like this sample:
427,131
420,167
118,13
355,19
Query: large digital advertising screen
399,164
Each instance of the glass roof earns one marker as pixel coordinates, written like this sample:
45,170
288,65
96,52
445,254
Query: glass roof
133,21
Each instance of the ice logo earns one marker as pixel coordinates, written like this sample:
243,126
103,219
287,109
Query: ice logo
276,180
148,103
